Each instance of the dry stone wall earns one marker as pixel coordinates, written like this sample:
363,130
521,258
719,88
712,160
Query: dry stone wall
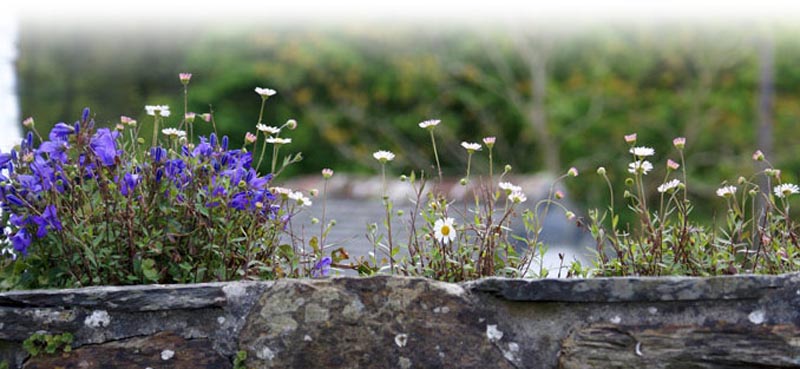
392,322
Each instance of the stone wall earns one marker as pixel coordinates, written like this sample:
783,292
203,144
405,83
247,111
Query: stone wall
385,322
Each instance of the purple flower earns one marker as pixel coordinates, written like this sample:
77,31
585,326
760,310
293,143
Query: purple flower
57,149
21,241
158,154
48,221
128,183
85,115
28,141
14,200
61,131
224,143
322,268
104,145
4,160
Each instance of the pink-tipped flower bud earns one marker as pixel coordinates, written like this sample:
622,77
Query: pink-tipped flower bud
327,173
206,117
631,138
190,117
679,142
559,195
28,122
489,141
572,172
291,124
249,137
185,78
672,165
758,155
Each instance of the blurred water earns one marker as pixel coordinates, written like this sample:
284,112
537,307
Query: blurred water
354,215
10,132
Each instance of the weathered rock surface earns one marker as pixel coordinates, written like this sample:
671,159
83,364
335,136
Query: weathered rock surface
386,322
161,350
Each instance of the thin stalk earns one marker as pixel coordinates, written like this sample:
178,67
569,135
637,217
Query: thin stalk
436,156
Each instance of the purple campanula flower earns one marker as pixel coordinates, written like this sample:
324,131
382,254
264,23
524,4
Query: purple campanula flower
5,159
57,149
104,145
203,148
77,126
28,141
47,221
60,131
213,139
21,241
85,115
128,183
322,268
14,200
240,201
224,143
159,174
158,154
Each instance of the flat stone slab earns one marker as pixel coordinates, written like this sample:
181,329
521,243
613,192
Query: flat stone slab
397,322
633,289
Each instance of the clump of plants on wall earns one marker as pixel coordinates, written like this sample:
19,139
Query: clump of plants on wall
88,205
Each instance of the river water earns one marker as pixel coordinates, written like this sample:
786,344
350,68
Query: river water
353,217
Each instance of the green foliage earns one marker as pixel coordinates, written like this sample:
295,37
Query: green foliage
354,90
91,206
40,343
239,361
758,234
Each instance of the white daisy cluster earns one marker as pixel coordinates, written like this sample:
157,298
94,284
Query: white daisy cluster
786,190
173,132
669,186
726,191
430,123
640,167
383,156
268,129
265,92
153,110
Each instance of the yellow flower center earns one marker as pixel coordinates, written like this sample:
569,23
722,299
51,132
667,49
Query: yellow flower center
445,230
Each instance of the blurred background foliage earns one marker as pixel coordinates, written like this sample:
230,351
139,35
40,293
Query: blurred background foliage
554,98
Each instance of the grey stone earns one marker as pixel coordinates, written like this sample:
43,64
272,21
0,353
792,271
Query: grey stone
384,322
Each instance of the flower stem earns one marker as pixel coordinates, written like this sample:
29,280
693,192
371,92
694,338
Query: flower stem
436,155
155,130
261,112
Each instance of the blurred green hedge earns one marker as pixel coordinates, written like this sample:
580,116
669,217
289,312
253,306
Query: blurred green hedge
356,89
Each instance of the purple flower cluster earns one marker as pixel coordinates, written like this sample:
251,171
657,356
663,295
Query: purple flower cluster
39,184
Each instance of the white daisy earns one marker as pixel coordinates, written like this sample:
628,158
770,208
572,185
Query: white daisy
162,110
173,132
669,186
642,151
786,190
640,167
471,146
268,129
508,187
726,191
430,123
383,156
265,92
444,231
283,191
301,200
517,197
278,140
